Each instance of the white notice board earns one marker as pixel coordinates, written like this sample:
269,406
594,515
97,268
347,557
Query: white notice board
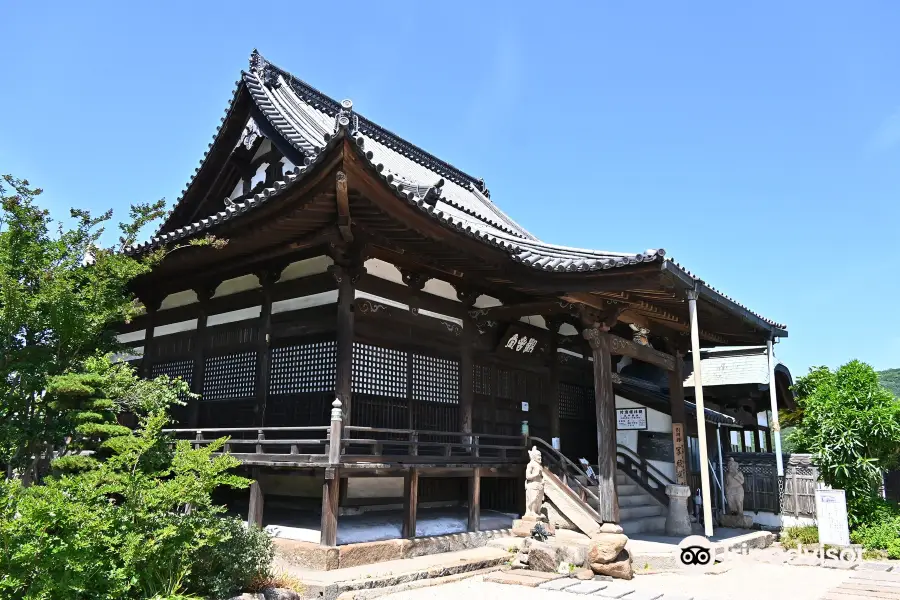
631,418
831,517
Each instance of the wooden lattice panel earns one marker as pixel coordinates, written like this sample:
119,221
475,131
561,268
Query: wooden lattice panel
230,376
181,369
482,379
303,368
379,371
575,401
435,379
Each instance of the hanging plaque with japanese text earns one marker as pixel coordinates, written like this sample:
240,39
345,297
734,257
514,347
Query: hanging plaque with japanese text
680,463
629,419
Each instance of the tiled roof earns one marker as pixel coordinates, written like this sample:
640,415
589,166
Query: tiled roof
626,384
309,120
732,366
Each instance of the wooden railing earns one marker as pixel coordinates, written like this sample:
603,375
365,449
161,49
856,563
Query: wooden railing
336,443
570,474
651,479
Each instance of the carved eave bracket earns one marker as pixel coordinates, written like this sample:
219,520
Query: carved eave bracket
483,324
415,281
342,200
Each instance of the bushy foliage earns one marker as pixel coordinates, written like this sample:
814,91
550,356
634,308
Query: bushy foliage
851,426
795,537
890,378
141,524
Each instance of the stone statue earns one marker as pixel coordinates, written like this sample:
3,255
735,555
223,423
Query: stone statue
534,485
734,488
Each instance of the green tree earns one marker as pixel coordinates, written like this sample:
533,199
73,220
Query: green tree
890,378
61,291
851,426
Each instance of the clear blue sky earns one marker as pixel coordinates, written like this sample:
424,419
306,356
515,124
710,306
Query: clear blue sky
758,143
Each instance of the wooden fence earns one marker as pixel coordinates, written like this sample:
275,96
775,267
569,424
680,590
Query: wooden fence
761,483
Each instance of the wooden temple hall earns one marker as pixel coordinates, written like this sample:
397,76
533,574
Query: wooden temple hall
372,330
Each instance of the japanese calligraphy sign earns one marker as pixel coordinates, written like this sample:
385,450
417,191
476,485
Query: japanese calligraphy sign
631,418
521,341
831,517
680,464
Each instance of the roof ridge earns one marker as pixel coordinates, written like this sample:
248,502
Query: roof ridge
374,127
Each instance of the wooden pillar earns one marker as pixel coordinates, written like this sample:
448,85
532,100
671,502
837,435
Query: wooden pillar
773,397
466,363
679,419
743,439
692,296
552,391
346,272
606,425
267,279
152,306
410,503
255,514
475,500
330,495
203,296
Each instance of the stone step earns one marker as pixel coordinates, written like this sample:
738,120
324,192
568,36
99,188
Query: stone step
629,513
637,500
629,489
655,524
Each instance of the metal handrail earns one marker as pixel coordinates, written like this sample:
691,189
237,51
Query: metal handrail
564,461
658,475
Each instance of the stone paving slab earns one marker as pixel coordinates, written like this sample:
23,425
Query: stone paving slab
587,587
617,589
868,584
542,575
513,578
642,595
875,566
559,584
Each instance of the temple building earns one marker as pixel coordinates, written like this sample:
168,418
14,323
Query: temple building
372,330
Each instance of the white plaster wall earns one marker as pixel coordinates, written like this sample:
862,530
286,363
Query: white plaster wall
235,315
182,298
656,421
486,302
383,270
375,487
238,284
768,519
440,288
264,148
380,300
428,313
320,299
175,327
568,329
134,336
536,320
307,267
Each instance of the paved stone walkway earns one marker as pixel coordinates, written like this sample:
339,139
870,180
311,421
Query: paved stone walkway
867,582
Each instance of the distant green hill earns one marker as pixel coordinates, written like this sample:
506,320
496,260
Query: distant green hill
891,380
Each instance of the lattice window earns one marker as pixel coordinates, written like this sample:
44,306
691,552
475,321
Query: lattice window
182,369
379,371
303,368
574,401
435,379
481,380
504,384
230,377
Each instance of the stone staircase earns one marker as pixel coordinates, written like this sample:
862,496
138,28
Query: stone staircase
639,512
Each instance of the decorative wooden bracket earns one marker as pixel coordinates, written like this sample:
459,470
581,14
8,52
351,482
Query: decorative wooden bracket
343,207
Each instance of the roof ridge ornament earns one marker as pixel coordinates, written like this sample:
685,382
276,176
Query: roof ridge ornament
263,69
346,119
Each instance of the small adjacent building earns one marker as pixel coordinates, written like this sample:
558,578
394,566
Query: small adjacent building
372,329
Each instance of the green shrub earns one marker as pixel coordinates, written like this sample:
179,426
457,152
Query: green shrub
794,537
877,535
893,549
244,556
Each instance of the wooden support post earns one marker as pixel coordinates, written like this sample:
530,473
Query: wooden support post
335,434
743,439
679,419
346,273
266,279
255,514
410,502
330,496
701,416
203,296
475,500
773,397
606,425
552,391
466,364
152,306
